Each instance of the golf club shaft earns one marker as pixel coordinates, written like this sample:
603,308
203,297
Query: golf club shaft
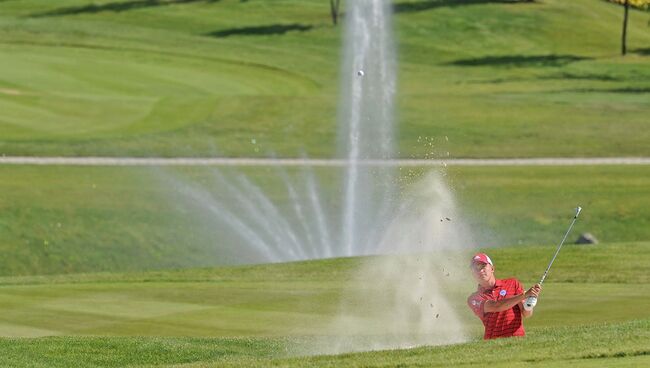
560,246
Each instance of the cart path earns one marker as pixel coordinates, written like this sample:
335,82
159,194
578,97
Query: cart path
223,161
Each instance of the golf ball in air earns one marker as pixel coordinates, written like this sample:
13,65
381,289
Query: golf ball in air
360,73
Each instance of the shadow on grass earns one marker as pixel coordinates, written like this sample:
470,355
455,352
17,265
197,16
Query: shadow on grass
520,61
630,90
591,76
272,29
116,7
645,52
555,76
417,6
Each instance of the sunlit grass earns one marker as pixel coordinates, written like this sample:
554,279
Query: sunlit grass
124,78
271,314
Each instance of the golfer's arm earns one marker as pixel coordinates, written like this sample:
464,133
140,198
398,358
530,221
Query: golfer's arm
504,304
525,313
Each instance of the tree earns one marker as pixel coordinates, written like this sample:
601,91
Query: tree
334,9
624,37
638,4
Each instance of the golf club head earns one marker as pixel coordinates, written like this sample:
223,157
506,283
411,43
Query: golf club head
578,209
530,303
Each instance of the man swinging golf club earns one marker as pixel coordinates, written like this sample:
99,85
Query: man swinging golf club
499,303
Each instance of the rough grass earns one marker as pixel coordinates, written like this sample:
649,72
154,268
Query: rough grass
169,78
91,219
514,205
611,345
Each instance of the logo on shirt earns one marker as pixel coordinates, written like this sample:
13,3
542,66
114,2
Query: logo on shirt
502,293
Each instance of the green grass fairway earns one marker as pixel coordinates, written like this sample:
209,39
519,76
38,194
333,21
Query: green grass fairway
261,315
89,219
204,77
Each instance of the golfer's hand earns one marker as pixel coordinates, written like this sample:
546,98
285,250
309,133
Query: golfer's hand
534,291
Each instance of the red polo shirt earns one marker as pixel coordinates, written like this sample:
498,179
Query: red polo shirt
499,324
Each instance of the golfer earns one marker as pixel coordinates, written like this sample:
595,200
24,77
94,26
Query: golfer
498,303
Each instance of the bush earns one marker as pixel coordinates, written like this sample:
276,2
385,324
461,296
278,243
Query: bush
640,4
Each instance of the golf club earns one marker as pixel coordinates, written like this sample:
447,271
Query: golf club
531,301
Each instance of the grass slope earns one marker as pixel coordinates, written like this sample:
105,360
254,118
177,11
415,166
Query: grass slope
90,219
263,315
499,79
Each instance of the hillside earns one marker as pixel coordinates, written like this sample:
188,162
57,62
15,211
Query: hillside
200,77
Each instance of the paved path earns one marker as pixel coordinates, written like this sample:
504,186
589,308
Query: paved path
214,161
